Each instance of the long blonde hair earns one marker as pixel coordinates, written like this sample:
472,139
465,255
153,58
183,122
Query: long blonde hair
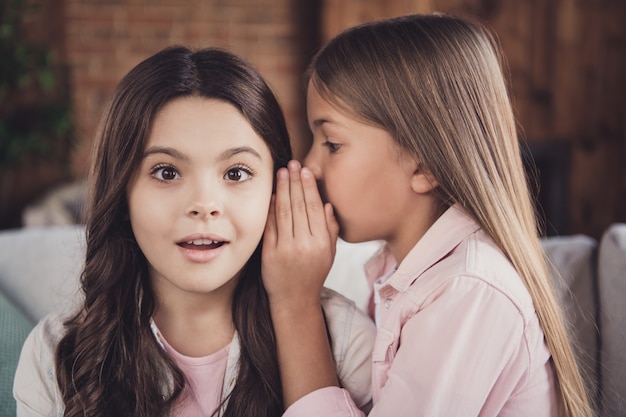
436,84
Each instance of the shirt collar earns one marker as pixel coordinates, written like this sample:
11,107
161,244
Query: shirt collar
448,231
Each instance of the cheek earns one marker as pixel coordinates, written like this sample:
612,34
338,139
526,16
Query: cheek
134,210
150,214
342,184
138,201
253,210
256,212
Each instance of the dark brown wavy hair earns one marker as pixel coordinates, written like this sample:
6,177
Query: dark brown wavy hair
108,362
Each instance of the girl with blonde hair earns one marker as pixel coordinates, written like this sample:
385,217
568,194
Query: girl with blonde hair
415,144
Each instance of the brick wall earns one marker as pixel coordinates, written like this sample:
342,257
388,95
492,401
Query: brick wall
567,62
104,40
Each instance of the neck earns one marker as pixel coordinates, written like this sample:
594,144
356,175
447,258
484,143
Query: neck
414,227
197,324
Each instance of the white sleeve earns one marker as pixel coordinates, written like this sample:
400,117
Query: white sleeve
35,386
352,335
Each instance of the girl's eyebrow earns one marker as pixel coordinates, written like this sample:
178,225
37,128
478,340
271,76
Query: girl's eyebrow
326,121
321,122
167,151
228,153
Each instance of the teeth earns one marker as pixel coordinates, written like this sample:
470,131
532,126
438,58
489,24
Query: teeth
199,242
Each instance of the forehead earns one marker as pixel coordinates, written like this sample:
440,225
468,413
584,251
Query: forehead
203,125
325,109
322,113
339,120
319,103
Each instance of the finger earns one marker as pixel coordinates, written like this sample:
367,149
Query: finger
314,205
269,235
284,220
298,202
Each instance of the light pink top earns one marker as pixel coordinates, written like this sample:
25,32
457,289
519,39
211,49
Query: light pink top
205,376
457,334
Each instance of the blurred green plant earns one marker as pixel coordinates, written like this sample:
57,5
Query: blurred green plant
35,110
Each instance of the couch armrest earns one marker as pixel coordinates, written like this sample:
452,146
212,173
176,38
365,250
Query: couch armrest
612,289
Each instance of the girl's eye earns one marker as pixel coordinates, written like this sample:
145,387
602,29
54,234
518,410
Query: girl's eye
332,147
238,174
165,173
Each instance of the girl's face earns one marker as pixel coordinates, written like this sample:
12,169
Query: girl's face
363,174
199,200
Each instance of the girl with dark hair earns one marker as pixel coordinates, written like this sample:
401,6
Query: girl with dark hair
175,319
415,144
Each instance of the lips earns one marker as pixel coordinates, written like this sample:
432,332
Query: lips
202,248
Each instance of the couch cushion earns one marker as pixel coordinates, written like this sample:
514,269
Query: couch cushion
40,267
612,289
14,327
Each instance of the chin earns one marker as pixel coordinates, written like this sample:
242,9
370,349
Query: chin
348,237
355,234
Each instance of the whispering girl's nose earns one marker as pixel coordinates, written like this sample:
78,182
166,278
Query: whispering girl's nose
310,161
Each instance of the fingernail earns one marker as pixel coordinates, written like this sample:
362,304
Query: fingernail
306,173
293,165
282,173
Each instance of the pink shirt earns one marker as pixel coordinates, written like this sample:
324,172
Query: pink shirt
457,334
205,377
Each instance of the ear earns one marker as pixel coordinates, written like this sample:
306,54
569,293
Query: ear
423,181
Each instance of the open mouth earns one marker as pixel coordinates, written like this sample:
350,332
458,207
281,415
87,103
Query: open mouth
201,244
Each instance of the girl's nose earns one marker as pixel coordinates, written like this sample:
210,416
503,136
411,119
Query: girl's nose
310,161
205,203
204,211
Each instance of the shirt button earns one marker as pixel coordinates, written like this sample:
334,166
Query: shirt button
387,303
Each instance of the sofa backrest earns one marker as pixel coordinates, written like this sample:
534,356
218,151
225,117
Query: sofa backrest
573,261
40,267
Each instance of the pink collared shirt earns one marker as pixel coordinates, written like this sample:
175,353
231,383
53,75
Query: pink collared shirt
457,334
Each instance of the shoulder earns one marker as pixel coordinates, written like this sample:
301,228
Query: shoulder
476,290
332,300
485,262
478,266
45,336
475,283
343,315
35,386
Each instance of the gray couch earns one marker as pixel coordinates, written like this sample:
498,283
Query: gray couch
39,270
